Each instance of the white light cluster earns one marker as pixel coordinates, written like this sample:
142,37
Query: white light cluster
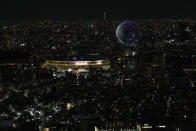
69,106
162,126
81,63
99,62
69,70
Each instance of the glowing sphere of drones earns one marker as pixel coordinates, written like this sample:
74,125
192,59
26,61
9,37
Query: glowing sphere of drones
128,33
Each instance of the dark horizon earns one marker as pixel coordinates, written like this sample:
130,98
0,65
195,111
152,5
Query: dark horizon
71,10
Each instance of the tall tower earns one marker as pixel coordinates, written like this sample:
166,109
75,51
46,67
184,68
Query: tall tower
104,30
104,16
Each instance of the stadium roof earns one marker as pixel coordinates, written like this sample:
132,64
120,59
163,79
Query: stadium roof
80,58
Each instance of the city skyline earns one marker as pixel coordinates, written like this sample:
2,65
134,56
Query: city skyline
108,65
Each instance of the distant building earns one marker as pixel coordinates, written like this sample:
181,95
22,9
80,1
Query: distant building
77,64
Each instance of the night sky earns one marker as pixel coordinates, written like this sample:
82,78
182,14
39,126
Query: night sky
82,9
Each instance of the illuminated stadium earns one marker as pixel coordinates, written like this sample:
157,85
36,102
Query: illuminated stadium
78,64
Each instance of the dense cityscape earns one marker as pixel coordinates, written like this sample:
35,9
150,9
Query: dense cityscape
76,76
